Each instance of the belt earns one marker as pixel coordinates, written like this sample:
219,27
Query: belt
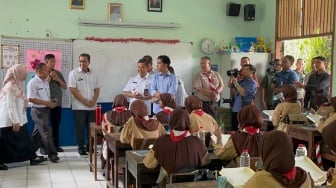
40,107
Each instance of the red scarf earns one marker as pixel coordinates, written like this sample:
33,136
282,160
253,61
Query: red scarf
177,138
119,109
251,130
290,174
168,110
199,112
211,81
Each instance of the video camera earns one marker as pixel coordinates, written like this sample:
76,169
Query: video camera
271,70
233,72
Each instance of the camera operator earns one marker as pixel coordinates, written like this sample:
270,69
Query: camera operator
244,91
266,90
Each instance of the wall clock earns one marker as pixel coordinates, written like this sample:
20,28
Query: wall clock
208,46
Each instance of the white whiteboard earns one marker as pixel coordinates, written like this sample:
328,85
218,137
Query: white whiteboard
116,62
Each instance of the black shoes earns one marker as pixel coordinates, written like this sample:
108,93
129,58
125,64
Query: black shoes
59,149
82,152
37,160
43,151
3,167
54,158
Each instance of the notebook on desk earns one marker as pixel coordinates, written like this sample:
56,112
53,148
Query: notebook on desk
140,153
314,118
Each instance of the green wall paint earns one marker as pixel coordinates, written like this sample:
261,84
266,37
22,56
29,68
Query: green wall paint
198,19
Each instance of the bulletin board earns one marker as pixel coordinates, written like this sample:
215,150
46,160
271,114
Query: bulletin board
64,47
9,55
116,62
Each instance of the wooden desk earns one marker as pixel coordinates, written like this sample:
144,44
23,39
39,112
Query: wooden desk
95,131
198,184
308,134
136,168
118,149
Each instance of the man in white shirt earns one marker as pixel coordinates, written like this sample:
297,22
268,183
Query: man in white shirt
84,87
138,87
38,94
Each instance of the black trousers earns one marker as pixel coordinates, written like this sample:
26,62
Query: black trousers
55,117
234,121
83,118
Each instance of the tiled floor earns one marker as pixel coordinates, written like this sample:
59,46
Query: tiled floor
71,172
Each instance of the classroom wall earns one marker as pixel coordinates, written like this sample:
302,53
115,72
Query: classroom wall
198,19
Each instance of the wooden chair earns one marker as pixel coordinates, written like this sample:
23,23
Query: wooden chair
96,137
143,143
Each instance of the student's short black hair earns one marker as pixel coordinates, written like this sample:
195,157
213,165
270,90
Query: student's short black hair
251,67
171,69
148,59
245,58
85,55
290,58
49,56
142,61
40,66
207,58
323,59
165,59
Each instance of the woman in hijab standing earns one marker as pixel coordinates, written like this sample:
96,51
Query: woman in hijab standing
15,143
290,105
179,149
250,121
140,126
198,118
276,151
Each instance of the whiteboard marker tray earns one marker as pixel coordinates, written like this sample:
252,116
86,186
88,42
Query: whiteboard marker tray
315,172
237,177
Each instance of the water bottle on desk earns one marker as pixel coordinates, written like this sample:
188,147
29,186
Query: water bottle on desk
245,159
301,150
202,134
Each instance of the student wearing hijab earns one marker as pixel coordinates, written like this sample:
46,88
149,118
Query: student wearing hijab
290,105
198,118
250,120
328,135
15,143
276,150
167,105
139,125
179,149
114,119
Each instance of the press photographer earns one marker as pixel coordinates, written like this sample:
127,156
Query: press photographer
266,89
243,90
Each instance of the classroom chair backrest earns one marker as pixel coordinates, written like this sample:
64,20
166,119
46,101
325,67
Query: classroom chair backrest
143,143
